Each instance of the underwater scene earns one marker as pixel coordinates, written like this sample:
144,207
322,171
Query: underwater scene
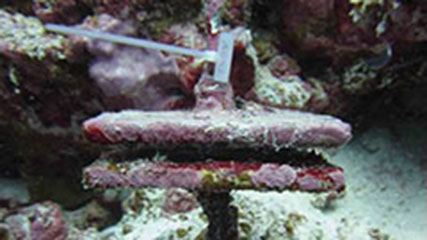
213,119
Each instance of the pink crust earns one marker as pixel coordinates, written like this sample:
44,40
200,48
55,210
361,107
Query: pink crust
41,221
273,127
214,176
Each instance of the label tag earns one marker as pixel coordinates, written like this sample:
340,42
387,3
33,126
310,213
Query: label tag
224,57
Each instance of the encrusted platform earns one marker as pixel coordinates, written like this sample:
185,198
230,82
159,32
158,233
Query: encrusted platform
216,148
235,128
213,176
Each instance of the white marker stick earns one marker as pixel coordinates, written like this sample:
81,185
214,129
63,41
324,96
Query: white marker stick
222,57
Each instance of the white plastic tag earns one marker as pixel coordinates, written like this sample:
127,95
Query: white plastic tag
224,57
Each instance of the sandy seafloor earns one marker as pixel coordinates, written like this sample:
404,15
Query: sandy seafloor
386,171
386,198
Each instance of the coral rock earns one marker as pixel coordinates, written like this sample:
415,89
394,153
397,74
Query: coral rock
90,215
68,12
132,77
357,27
179,201
41,221
137,78
22,36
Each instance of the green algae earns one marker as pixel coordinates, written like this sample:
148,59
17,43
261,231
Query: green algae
181,232
218,179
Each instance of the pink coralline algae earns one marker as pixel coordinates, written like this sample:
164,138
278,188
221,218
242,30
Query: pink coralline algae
138,78
216,148
215,120
216,176
178,201
257,128
133,77
41,221
273,175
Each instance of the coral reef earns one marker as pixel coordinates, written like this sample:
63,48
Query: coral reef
345,58
348,39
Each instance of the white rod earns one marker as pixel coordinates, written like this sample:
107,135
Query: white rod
208,55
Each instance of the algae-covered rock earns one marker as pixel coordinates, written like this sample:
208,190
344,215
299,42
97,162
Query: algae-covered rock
26,36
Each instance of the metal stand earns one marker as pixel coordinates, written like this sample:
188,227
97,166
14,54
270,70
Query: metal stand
222,216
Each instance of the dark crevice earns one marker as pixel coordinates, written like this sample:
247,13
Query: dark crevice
219,152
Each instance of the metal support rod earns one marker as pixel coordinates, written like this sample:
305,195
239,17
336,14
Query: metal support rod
222,216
